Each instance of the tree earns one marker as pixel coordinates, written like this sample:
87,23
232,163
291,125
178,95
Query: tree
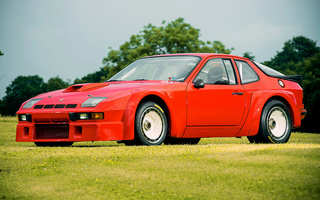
55,83
1,54
301,56
174,37
21,89
248,55
310,69
295,50
95,77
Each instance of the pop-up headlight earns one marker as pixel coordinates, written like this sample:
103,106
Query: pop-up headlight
30,103
93,101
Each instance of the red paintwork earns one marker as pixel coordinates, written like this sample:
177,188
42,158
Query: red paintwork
211,111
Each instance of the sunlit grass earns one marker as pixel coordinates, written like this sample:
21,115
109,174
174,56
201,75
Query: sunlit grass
216,168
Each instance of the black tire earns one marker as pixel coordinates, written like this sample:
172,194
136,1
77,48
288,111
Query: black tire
175,141
53,144
255,139
151,124
275,124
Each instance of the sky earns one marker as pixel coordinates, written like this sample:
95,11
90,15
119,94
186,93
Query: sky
70,38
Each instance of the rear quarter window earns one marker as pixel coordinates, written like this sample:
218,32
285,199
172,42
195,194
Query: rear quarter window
247,74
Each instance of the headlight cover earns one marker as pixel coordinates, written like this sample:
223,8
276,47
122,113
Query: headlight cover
25,117
86,116
30,103
93,101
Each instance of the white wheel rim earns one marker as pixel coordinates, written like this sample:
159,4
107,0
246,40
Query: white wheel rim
277,122
152,125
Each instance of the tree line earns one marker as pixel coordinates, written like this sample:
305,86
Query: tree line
299,55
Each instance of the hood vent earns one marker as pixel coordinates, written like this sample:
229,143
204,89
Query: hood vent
85,87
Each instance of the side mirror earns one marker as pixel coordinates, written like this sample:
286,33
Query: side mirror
199,84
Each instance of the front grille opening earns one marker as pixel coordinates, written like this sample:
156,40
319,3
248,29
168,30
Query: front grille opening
78,131
38,106
52,131
25,132
48,106
71,105
60,106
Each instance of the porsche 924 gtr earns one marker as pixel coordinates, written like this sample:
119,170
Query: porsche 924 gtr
172,99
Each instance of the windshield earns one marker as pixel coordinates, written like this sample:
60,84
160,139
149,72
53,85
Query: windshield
268,70
176,68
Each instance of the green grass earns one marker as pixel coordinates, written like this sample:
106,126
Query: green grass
216,168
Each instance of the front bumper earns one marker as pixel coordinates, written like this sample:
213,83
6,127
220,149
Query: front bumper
57,127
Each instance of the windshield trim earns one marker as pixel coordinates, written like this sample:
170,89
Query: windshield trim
159,56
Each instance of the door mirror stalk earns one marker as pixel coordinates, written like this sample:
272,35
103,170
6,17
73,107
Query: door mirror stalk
199,84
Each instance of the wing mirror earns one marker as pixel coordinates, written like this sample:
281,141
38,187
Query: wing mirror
199,84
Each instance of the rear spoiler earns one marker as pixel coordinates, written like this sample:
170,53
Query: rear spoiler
294,78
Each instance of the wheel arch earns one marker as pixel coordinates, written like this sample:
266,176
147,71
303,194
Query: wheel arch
259,101
158,100
283,100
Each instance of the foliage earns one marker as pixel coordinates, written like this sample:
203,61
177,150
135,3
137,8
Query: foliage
217,168
55,83
1,54
295,50
301,56
310,68
248,55
23,88
174,37
95,77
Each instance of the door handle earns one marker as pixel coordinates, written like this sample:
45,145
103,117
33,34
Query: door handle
237,93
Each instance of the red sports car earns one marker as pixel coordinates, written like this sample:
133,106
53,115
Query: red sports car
170,99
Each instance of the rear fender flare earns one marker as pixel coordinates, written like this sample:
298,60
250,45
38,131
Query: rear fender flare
258,101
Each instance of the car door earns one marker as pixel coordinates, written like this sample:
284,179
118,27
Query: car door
221,102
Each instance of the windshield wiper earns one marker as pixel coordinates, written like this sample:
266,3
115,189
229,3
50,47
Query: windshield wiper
141,79
113,80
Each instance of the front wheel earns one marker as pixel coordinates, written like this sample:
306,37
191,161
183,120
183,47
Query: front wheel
275,124
151,124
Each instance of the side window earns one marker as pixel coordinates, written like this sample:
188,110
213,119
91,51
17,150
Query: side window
247,75
230,70
217,71
213,72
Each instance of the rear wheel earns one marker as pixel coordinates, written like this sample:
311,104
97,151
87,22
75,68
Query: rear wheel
53,144
275,124
151,124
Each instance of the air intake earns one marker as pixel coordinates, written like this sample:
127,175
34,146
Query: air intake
85,87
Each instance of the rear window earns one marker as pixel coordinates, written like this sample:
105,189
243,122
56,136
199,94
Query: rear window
268,70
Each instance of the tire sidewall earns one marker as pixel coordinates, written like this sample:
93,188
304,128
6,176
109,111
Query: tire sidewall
263,130
138,118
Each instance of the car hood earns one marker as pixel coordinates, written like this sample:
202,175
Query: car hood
77,94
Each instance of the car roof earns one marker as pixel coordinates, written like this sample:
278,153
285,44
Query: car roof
203,55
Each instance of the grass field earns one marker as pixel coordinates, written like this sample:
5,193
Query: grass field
216,168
